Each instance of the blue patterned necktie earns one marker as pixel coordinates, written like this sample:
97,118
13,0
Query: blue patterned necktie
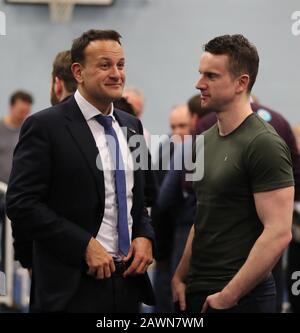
120,182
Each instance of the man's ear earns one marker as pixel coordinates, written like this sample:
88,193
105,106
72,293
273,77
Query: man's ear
242,83
77,70
58,87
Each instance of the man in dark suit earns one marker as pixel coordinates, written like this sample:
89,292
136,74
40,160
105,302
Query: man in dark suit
81,204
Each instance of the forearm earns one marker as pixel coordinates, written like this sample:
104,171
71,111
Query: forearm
184,264
262,258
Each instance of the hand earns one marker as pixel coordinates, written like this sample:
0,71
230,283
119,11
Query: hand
141,251
178,292
101,264
218,301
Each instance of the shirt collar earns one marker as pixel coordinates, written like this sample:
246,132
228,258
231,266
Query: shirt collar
88,110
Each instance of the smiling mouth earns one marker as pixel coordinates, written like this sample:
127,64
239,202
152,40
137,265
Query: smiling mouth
114,85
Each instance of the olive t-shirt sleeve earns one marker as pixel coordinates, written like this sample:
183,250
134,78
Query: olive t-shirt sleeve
269,163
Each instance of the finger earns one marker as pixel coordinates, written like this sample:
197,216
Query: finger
175,296
142,268
132,268
100,273
145,269
147,265
181,298
129,255
112,266
204,307
91,271
106,271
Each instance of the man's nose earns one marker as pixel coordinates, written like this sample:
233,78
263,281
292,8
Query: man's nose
115,72
201,84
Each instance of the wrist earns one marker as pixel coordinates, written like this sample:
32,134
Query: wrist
229,296
177,278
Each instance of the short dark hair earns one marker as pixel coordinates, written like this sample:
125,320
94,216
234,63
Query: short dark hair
22,95
194,106
62,69
80,43
243,56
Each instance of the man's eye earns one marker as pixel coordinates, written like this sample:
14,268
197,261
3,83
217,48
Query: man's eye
104,66
211,76
121,66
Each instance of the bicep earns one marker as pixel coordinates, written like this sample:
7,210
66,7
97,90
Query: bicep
275,208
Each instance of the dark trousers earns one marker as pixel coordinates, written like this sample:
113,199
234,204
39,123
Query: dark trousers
279,278
262,299
113,295
162,287
165,270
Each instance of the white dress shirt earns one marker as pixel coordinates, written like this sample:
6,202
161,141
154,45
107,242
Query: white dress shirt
108,234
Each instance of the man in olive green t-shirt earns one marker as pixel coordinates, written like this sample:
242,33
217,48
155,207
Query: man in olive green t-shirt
245,199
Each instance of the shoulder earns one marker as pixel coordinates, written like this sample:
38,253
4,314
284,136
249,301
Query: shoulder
128,120
255,126
262,131
50,115
267,139
46,114
125,116
268,146
45,121
260,140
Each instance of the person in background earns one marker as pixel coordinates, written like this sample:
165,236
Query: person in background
20,107
136,98
63,83
164,218
180,122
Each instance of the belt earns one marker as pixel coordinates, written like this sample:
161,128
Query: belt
121,267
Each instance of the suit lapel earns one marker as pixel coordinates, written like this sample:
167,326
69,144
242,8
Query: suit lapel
129,132
83,137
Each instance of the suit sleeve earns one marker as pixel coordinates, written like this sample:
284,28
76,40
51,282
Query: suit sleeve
26,200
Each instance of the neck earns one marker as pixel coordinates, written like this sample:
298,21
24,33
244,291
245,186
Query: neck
11,122
103,106
64,95
231,117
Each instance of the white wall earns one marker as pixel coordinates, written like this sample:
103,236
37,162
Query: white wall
163,40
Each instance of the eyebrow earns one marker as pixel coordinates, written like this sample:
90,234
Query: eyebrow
106,58
208,72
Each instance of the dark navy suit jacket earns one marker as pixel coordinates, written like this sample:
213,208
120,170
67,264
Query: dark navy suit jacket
56,201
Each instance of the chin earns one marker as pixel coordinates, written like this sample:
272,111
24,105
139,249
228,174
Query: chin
205,106
116,96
